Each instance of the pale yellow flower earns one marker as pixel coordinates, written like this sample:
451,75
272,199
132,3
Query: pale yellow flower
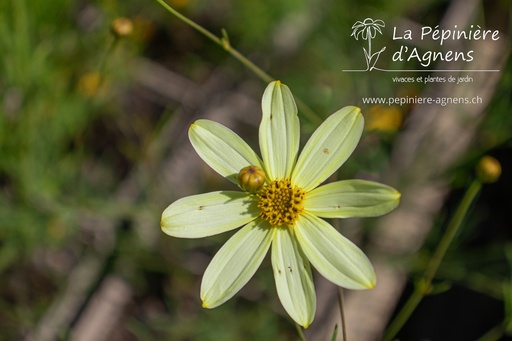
283,214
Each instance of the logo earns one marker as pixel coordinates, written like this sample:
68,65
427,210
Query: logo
446,41
367,30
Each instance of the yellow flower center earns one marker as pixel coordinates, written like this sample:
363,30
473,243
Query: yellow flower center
280,203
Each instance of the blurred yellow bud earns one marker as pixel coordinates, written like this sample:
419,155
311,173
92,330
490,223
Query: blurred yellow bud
89,83
122,27
251,179
488,169
386,119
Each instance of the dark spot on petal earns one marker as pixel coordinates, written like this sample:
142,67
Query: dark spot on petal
326,151
200,208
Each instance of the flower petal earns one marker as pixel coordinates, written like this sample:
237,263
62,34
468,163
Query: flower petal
294,281
334,256
235,263
207,214
222,149
328,148
279,130
351,198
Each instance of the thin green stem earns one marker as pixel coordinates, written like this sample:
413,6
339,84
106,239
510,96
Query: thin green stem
103,62
342,313
224,43
423,286
452,230
403,315
300,333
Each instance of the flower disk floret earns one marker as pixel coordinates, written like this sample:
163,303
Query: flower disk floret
281,203
284,213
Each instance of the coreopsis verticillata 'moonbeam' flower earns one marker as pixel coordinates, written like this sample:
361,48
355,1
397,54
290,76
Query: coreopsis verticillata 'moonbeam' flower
281,205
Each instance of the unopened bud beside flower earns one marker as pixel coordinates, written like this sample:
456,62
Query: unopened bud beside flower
251,179
488,169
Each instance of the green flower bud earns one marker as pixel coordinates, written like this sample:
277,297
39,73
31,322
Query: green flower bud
251,179
488,169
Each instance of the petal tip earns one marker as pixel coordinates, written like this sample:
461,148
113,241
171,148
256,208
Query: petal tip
398,196
303,324
358,113
351,109
197,123
372,283
272,85
164,224
367,283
